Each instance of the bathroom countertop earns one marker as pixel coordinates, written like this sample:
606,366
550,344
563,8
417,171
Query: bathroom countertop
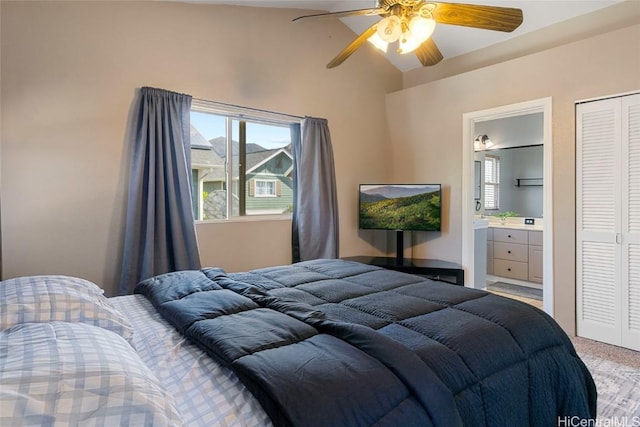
516,226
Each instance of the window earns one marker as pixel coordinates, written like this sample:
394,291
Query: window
492,182
241,162
264,188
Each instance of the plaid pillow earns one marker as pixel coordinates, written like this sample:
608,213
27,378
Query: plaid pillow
39,299
75,374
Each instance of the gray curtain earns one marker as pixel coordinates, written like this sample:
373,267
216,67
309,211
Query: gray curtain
315,231
160,233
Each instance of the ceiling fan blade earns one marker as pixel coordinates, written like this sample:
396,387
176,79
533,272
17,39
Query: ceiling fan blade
343,14
494,18
428,53
353,46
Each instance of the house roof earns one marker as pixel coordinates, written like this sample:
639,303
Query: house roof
255,160
197,139
202,153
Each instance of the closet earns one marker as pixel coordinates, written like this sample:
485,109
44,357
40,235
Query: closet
608,220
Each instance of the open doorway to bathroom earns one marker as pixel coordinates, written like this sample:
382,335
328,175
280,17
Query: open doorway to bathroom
509,153
510,259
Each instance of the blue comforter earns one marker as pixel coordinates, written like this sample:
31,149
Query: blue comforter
337,343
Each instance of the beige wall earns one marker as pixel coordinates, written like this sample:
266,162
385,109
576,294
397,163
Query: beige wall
69,75
426,127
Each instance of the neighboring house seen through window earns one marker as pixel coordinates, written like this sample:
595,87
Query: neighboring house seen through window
491,182
240,165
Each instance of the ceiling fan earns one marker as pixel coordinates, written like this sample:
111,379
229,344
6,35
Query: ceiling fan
411,23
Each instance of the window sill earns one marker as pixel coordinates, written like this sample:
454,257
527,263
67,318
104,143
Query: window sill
248,218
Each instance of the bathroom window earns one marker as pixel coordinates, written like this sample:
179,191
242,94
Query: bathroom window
491,182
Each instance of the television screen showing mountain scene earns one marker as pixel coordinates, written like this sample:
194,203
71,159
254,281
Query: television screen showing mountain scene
400,207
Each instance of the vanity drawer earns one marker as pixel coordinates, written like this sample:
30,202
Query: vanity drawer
511,251
512,269
510,235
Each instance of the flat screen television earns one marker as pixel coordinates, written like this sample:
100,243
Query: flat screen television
400,207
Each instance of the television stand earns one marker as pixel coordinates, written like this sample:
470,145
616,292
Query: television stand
444,271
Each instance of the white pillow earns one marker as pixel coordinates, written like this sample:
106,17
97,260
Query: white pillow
37,299
74,374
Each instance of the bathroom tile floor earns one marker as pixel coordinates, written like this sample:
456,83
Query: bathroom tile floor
532,301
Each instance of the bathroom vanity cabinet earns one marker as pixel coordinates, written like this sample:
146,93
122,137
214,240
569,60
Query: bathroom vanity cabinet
515,254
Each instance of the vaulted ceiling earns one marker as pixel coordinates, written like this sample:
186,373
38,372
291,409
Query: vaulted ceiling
451,40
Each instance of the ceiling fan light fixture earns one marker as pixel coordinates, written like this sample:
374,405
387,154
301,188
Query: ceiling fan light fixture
390,29
421,28
407,43
378,42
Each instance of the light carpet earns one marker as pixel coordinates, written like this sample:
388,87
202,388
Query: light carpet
618,389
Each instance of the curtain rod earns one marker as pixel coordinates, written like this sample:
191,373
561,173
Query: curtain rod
257,110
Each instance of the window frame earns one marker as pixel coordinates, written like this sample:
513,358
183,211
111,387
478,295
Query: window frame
241,115
265,181
492,180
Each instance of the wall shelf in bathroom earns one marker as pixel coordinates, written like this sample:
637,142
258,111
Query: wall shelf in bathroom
529,182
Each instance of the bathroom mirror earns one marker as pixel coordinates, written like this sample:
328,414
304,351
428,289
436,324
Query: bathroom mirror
517,143
520,186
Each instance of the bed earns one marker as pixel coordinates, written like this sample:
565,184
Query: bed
318,343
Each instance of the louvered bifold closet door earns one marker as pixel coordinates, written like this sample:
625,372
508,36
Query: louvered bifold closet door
608,220
598,183
630,285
